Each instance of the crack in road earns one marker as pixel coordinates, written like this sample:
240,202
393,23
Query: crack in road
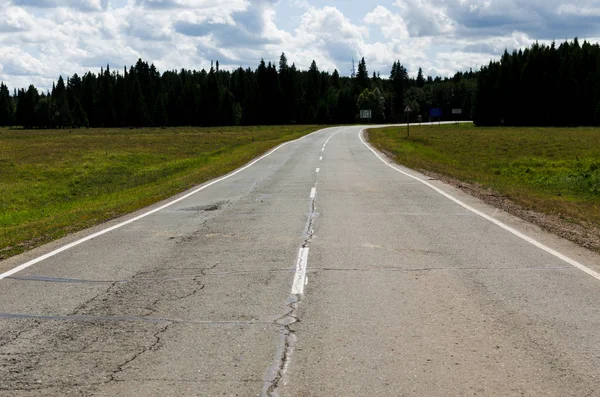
285,348
277,371
154,346
87,302
312,215
117,295
36,324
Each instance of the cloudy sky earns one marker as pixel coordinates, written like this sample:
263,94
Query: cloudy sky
41,39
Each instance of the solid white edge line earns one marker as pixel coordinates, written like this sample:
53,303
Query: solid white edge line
517,233
313,192
300,276
137,218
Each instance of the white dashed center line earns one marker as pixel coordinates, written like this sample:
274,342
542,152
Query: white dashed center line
300,277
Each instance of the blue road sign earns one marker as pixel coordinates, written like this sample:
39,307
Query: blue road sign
435,112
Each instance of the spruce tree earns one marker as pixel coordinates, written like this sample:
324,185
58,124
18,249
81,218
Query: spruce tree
26,107
362,76
6,106
61,115
420,79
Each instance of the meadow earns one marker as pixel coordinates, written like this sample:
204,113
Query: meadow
549,170
55,182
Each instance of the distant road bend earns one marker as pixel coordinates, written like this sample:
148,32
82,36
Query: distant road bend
317,270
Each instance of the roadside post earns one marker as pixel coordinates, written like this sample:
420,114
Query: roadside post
457,113
408,110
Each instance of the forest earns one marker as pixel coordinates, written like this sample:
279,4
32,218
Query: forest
544,85
271,94
541,86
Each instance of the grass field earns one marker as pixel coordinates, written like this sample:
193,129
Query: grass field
55,182
549,170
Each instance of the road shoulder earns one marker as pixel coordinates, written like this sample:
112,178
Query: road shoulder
574,241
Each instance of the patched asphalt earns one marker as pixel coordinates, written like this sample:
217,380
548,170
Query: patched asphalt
407,294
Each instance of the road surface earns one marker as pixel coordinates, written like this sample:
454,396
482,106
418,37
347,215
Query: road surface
319,270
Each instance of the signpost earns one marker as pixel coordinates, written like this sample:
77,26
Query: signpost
457,112
408,110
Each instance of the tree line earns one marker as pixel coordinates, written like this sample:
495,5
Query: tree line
270,94
544,85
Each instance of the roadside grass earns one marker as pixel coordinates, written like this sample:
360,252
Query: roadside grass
55,182
549,170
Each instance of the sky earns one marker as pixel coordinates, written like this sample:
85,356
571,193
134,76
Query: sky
42,39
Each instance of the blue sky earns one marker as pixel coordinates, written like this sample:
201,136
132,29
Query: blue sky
42,39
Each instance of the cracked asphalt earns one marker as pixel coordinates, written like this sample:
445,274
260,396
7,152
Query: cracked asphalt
407,294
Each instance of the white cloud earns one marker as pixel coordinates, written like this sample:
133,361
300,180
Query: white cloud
329,33
85,5
392,25
15,19
425,18
19,63
576,10
40,39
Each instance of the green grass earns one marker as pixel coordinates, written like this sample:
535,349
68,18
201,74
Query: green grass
550,170
55,182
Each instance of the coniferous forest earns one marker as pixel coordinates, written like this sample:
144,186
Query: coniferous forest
542,85
271,94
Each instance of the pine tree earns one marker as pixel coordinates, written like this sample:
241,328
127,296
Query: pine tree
26,107
215,98
420,79
363,75
335,79
283,64
75,98
104,112
138,112
60,114
160,115
399,78
6,106
313,90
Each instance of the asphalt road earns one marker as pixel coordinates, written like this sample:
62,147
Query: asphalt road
317,271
